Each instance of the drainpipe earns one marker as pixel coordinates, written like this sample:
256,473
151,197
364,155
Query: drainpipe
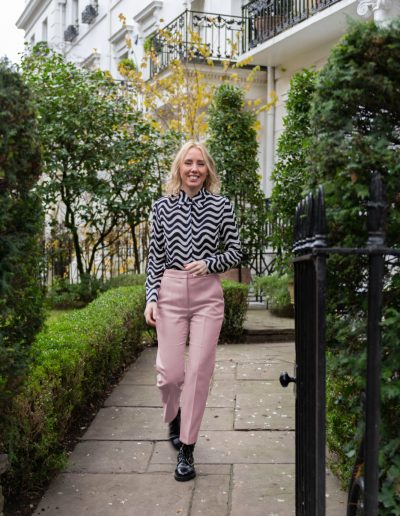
383,11
270,130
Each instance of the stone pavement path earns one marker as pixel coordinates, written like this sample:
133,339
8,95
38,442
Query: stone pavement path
123,465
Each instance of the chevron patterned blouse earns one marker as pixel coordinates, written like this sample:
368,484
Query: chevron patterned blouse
188,229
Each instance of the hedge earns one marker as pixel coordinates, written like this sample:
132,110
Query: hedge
236,301
73,360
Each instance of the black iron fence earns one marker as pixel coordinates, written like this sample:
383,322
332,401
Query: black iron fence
311,251
267,18
196,35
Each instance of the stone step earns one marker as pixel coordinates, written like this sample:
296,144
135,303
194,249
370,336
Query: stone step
269,335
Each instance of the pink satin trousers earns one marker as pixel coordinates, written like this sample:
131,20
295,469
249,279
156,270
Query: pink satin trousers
191,306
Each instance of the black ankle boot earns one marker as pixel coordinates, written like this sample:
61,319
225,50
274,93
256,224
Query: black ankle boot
185,468
174,431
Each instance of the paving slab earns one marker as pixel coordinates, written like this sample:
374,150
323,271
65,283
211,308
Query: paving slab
225,370
269,489
146,423
110,457
201,469
265,370
263,489
127,423
264,405
155,494
233,447
211,496
139,377
252,352
222,394
128,395
266,320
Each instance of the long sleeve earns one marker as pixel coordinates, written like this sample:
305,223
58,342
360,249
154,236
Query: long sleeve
229,235
156,261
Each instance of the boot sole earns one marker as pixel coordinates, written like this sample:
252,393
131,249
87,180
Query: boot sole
185,478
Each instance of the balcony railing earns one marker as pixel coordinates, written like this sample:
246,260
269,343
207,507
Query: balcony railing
71,32
267,18
198,36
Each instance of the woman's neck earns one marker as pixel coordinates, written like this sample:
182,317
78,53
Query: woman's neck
191,192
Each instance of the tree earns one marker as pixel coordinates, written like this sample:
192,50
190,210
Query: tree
96,150
291,173
177,98
233,145
355,122
21,225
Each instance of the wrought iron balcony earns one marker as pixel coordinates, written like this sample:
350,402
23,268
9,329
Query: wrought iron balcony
90,12
267,18
219,36
71,32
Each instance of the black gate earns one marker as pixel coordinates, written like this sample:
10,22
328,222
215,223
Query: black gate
310,251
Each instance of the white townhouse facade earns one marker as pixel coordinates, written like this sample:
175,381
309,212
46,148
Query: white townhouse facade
282,36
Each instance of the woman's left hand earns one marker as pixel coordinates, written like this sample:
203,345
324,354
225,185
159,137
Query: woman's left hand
198,268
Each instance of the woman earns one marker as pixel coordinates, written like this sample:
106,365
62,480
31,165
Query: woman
183,291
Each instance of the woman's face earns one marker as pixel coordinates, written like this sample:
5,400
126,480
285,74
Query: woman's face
193,171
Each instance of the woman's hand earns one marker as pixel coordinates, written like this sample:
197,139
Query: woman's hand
198,268
150,313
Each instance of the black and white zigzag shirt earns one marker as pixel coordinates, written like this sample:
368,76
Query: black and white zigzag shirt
188,229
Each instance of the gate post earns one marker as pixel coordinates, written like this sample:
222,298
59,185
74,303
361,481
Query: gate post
376,240
310,285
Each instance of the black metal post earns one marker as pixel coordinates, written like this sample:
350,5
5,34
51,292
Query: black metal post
376,237
320,383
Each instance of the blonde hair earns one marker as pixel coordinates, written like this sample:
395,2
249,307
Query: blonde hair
174,183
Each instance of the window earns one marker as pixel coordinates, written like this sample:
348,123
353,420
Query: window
63,16
44,30
75,12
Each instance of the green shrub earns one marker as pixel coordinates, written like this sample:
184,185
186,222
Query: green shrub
290,176
236,301
355,123
73,359
64,294
125,280
21,225
234,146
275,288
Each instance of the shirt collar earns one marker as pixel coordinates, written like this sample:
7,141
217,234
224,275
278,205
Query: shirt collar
196,199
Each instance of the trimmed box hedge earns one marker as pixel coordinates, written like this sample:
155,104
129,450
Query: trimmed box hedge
73,361
236,303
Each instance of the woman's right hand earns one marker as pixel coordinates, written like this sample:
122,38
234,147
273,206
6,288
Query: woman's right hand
150,313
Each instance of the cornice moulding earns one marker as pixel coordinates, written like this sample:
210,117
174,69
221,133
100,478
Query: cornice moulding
148,11
31,13
120,34
92,59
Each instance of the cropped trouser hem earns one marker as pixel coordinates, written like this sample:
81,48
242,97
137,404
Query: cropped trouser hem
188,306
